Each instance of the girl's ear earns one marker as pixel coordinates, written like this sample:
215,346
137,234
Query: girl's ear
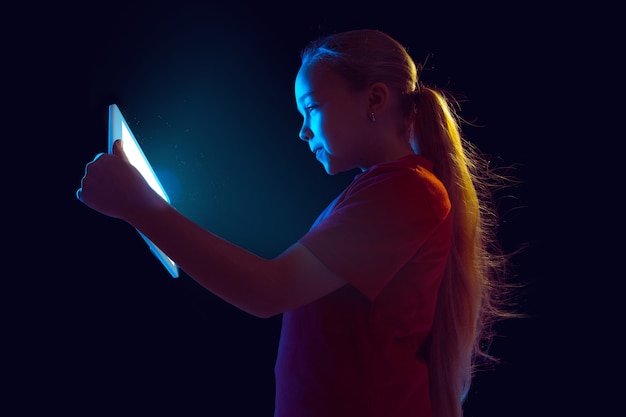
378,96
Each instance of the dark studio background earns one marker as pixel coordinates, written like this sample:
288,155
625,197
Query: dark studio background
96,326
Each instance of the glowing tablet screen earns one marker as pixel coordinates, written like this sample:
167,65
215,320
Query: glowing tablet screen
119,129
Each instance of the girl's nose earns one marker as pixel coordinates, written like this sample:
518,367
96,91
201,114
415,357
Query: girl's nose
305,134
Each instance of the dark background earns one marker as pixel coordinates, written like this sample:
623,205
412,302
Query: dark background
95,325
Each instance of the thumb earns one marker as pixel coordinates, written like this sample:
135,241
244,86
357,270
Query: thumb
118,150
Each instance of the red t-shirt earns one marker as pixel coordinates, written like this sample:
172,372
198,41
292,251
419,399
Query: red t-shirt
356,351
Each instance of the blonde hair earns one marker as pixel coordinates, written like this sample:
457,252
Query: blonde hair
468,300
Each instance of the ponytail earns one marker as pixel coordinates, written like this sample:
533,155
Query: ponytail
464,306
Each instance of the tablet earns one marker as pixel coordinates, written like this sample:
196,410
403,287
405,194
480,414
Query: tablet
119,129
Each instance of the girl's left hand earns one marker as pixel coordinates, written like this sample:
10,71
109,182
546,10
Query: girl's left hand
114,187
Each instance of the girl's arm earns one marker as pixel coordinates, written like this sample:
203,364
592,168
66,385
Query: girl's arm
261,287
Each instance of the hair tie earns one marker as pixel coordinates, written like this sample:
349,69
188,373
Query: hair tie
417,90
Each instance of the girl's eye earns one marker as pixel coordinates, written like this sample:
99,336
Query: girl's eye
310,108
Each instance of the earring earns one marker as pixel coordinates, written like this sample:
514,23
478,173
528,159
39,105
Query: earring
372,117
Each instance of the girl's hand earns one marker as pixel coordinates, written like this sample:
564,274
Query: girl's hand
112,186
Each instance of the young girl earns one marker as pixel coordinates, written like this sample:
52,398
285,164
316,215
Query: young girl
387,298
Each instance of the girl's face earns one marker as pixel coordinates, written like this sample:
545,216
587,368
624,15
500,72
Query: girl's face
336,122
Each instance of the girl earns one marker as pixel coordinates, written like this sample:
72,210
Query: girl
387,298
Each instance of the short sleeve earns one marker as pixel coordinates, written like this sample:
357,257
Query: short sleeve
377,225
